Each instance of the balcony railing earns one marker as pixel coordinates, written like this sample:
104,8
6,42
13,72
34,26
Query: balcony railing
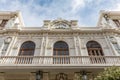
60,60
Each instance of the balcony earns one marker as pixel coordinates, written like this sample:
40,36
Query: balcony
58,61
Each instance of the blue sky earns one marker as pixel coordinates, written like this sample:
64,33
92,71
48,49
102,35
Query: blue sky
35,11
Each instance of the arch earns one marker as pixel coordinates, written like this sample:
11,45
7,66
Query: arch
27,49
60,48
94,50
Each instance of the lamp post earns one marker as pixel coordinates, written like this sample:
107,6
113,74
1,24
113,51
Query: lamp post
39,75
84,75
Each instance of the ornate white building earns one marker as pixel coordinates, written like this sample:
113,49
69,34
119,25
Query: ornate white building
59,49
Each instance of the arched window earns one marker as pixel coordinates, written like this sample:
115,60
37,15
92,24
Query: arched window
95,49
61,52
27,49
61,48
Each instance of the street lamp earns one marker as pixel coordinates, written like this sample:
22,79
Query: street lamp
84,75
39,75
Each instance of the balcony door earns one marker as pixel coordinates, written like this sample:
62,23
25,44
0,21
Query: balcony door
26,52
95,52
61,53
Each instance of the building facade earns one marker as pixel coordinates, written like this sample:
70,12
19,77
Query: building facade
59,49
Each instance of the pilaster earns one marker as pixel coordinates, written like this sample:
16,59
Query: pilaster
42,46
110,45
46,44
9,48
1,45
78,45
84,51
75,43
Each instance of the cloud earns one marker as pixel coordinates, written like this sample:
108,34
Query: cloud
76,4
35,11
117,7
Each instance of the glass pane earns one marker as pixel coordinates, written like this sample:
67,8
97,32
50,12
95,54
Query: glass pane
27,48
94,48
61,48
93,44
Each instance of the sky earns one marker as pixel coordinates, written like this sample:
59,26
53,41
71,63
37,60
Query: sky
34,12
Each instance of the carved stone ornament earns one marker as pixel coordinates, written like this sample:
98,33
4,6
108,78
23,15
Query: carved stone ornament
60,24
8,40
91,38
113,40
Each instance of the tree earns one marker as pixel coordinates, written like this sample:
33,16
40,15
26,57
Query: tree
111,73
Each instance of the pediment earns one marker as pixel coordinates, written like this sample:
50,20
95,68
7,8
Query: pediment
60,24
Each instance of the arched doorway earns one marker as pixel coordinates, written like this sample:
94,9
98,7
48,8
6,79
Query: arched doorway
26,53
95,52
61,53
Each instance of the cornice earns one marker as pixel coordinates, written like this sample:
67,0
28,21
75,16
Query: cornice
59,31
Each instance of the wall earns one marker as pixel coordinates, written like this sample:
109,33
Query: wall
44,43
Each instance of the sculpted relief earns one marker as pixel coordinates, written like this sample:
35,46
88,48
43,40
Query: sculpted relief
60,24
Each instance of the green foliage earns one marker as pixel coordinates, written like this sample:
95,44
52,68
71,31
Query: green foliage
111,73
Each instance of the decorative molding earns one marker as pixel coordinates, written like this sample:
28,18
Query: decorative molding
72,47
106,47
49,47
8,39
83,47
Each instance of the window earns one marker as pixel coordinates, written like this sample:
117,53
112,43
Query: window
117,22
27,49
61,49
94,50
